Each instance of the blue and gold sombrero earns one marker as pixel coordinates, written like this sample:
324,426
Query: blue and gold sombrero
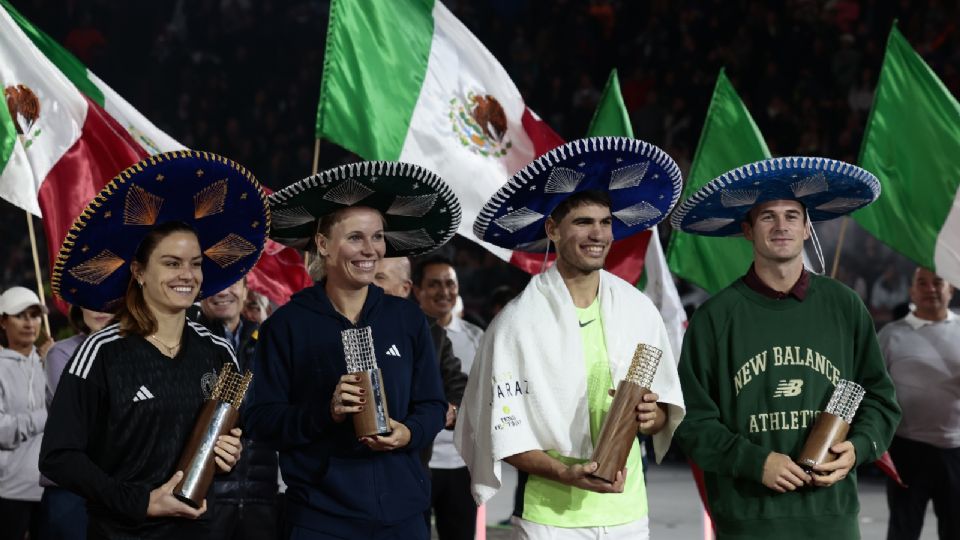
220,199
421,211
643,183
827,188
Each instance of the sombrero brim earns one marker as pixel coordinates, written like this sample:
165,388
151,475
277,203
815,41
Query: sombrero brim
642,181
420,210
219,198
827,188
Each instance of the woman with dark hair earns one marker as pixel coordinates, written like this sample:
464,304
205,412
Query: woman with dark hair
63,513
155,239
22,412
340,485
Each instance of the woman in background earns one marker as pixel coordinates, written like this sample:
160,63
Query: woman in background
63,514
23,412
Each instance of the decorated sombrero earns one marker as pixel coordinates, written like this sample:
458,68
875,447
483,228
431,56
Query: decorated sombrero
420,210
220,199
642,181
827,188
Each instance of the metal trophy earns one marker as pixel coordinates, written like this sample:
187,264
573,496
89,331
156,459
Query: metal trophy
620,426
358,351
831,426
219,415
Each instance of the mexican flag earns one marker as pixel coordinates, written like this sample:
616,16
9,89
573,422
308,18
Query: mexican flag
405,80
912,144
612,119
64,134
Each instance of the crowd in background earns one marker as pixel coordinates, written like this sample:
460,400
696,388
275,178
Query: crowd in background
242,78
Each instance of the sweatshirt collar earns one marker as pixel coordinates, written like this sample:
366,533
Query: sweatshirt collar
798,291
315,298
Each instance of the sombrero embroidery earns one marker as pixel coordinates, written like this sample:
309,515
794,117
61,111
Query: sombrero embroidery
642,181
826,187
420,210
219,198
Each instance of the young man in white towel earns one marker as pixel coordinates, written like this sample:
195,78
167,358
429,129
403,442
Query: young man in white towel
541,382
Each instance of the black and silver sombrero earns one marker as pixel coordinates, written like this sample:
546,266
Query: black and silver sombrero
420,210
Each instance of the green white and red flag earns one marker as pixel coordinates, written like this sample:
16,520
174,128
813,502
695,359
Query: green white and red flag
911,143
406,80
64,134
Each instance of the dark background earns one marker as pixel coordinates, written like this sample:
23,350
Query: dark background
241,78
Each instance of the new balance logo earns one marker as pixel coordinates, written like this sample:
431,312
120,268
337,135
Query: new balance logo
393,351
142,394
788,388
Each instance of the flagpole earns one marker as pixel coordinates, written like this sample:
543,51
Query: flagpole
316,155
316,166
36,270
836,252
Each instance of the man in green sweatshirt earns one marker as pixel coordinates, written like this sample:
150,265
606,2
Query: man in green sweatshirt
761,358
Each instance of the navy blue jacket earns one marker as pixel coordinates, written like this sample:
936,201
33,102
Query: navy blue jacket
335,483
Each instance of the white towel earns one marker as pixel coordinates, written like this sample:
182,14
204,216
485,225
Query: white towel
528,390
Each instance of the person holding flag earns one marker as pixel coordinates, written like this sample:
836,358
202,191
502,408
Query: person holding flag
761,358
541,382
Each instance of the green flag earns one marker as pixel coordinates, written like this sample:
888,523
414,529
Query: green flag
611,119
912,144
729,139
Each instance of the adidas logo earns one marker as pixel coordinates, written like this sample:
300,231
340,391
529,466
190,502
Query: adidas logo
142,394
393,351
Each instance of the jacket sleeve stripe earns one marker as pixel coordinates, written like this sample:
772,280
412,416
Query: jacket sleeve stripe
203,332
83,359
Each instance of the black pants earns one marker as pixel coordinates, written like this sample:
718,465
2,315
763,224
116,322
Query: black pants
411,529
18,517
930,473
453,506
63,515
245,522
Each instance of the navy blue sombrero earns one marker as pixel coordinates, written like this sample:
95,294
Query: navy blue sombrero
421,211
219,198
642,181
827,188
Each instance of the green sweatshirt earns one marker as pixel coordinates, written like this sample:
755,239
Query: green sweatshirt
756,372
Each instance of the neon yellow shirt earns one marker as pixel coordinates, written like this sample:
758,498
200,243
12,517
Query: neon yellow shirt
552,503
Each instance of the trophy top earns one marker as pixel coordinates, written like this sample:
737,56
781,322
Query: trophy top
358,349
231,386
845,400
643,367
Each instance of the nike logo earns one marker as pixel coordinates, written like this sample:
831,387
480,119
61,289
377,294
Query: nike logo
142,394
586,323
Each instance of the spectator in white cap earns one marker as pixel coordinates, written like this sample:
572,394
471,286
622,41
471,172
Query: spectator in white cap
23,411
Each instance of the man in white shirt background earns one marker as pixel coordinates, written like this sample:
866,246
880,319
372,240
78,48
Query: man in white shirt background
436,289
922,352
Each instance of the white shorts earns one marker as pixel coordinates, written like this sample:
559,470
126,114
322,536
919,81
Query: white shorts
528,530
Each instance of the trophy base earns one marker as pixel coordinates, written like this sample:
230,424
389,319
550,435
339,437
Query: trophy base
827,431
187,501
197,459
374,419
618,432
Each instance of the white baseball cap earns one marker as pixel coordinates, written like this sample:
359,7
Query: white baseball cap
16,299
